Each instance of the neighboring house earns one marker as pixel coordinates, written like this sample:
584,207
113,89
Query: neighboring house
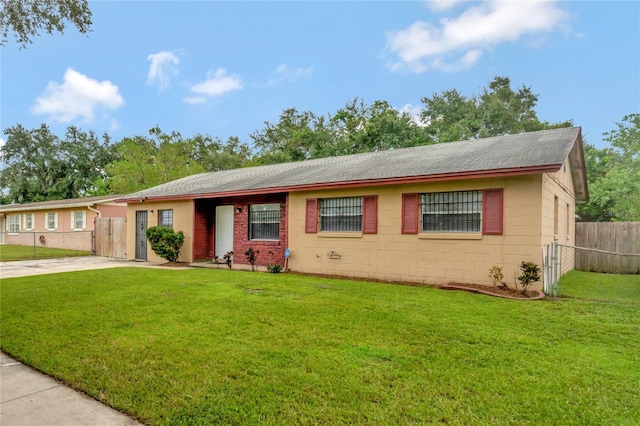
429,214
59,223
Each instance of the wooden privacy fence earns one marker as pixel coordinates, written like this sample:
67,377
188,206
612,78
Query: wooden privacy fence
612,247
111,237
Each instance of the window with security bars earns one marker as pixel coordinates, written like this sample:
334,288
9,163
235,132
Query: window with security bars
451,211
264,221
165,218
341,214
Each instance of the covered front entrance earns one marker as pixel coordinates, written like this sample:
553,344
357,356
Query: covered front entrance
224,230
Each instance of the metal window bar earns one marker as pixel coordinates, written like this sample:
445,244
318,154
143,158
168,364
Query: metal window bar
451,211
165,218
341,214
264,224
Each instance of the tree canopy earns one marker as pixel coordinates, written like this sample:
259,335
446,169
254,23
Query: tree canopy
39,166
499,110
613,175
27,18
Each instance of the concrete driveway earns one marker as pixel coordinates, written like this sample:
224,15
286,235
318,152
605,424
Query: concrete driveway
25,268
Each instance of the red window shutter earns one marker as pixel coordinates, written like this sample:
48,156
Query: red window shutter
311,216
370,214
410,216
492,208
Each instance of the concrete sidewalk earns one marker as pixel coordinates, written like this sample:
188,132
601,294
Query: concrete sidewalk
25,268
30,398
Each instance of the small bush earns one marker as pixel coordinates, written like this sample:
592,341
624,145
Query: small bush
530,274
252,257
228,258
274,269
165,242
496,275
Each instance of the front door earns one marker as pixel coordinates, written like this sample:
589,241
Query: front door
224,230
1,229
141,235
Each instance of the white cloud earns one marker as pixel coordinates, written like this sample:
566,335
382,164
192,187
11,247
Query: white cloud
282,74
441,5
415,113
215,85
480,27
163,67
193,100
77,96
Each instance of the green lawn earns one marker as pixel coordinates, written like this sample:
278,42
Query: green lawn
604,287
10,253
202,347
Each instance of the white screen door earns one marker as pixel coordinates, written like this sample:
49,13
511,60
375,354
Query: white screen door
224,230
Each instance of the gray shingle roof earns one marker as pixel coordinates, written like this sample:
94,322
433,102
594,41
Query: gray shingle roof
535,150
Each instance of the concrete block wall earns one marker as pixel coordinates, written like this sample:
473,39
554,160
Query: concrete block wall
423,258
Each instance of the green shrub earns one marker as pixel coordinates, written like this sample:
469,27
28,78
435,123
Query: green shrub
530,274
165,242
274,269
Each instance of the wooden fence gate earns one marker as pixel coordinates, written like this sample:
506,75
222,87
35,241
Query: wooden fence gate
111,237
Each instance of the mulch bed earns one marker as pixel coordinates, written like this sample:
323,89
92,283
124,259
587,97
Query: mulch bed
508,293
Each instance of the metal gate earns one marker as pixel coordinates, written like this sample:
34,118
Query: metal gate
550,268
141,235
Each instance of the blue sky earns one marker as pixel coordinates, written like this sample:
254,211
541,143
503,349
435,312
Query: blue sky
224,68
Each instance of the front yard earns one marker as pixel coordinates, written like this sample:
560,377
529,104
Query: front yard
200,346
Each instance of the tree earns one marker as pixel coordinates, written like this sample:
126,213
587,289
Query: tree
39,166
361,128
146,161
614,175
26,18
357,127
498,111
296,136
598,162
214,155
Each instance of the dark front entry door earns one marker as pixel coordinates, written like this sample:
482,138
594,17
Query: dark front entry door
141,235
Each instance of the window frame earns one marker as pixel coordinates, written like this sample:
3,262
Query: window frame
11,218
47,222
32,225
161,219
254,222
83,219
450,212
339,211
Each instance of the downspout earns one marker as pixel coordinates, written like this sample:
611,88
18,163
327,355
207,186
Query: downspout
93,233
95,211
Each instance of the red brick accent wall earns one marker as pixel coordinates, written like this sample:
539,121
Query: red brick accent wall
271,252
203,229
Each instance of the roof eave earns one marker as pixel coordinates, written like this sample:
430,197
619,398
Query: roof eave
23,208
578,170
